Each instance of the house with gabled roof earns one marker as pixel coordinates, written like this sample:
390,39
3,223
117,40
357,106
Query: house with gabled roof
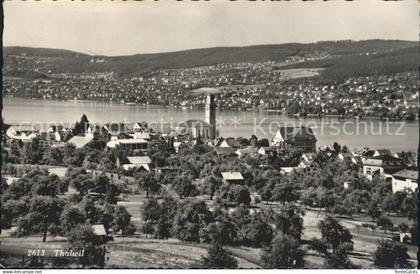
233,177
381,165
230,142
138,162
382,152
80,141
301,138
405,179
129,144
267,151
22,132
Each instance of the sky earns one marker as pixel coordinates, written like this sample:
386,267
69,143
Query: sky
124,28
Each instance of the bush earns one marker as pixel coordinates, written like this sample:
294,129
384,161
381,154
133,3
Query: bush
391,254
217,257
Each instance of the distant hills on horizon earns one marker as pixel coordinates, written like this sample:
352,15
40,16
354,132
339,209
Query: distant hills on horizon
345,57
57,52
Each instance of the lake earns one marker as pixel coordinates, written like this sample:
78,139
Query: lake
396,136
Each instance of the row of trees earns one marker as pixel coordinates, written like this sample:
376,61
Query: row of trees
34,203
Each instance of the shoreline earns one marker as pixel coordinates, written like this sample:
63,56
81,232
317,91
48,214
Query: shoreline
319,117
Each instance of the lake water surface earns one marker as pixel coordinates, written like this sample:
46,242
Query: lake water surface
396,136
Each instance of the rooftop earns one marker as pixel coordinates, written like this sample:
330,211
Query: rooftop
131,141
139,160
297,132
232,176
23,128
80,141
99,230
407,174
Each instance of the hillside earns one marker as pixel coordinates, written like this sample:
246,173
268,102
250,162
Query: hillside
333,52
41,52
349,66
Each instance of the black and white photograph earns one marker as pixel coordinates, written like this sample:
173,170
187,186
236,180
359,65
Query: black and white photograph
210,135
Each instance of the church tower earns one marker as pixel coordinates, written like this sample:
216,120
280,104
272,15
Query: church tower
211,115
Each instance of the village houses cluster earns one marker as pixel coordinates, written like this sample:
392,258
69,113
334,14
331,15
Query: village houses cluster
138,138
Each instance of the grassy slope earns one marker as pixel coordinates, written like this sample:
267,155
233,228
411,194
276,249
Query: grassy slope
358,65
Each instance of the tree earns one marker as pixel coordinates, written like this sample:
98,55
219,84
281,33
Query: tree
82,126
21,187
403,227
54,156
385,223
103,185
151,211
47,185
43,216
71,217
339,259
82,183
391,254
373,210
242,195
409,205
284,252
334,233
163,229
122,221
6,216
147,182
83,238
168,210
190,219
211,185
148,229
285,191
184,187
258,232
222,231
336,147
389,203
290,221
218,258
107,216
318,245
89,210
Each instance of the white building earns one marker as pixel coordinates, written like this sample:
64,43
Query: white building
80,141
138,162
232,177
404,179
131,144
21,132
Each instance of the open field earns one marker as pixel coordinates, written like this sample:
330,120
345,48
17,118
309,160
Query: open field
140,252
286,74
132,252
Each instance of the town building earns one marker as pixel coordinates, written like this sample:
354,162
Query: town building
129,144
300,138
138,162
22,132
405,179
381,165
80,141
196,129
230,142
232,177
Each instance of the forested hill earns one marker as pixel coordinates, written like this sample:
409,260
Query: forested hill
386,55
